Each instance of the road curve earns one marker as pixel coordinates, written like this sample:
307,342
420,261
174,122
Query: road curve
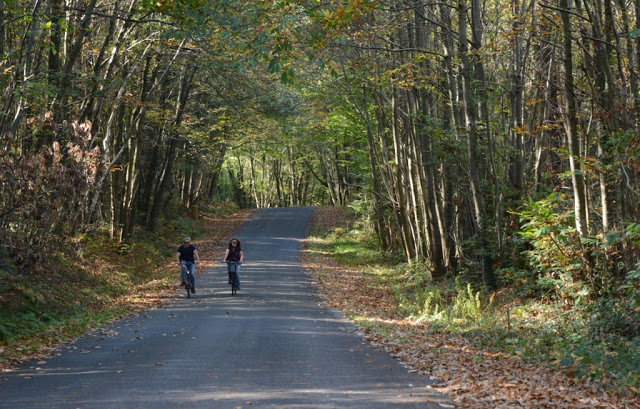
271,346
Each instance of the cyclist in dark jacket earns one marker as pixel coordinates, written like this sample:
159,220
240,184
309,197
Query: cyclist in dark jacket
187,257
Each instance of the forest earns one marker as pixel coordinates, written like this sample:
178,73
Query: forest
494,143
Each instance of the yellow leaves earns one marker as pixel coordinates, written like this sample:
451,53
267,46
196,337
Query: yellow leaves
346,13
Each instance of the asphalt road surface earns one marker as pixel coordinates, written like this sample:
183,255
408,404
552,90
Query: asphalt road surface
271,346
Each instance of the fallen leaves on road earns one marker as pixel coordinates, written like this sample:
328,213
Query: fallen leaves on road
472,377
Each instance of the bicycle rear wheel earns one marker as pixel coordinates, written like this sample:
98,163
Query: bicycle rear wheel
234,287
188,285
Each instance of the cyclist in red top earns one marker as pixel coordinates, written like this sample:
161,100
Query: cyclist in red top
234,253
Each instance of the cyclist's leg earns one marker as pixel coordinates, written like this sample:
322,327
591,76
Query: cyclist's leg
238,275
192,270
183,271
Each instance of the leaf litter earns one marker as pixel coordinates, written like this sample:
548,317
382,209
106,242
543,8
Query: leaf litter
472,377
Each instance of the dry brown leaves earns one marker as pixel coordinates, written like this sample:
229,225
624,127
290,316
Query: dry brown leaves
472,377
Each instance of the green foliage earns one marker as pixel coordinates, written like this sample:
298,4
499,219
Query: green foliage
353,248
123,249
12,327
631,286
462,305
467,304
339,232
548,228
613,319
634,33
561,264
431,303
603,343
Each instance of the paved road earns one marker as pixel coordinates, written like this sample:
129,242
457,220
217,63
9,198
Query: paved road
271,346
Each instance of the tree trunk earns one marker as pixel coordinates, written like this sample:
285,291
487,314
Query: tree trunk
166,175
516,130
400,184
475,164
74,54
571,127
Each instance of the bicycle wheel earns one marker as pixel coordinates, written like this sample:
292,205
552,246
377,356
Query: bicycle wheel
188,284
234,287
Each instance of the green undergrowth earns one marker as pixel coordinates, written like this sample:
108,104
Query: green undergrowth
584,340
95,281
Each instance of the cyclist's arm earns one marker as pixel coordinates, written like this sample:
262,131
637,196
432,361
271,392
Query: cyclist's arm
178,257
241,256
197,256
226,254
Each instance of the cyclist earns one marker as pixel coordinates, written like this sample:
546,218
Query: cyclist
234,253
187,257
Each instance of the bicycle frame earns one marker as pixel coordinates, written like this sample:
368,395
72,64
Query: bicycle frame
188,283
232,269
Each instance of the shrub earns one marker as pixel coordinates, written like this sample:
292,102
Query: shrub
45,195
572,268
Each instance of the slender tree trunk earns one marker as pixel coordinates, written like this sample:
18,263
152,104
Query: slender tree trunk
131,177
472,145
216,167
166,175
293,188
363,110
605,92
56,14
73,55
3,32
26,58
571,127
517,93
400,185
452,119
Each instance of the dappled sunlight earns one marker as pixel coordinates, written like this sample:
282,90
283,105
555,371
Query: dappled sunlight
380,320
323,397
286,397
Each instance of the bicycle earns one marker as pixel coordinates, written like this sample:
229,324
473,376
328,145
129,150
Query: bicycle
188,284
232,267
